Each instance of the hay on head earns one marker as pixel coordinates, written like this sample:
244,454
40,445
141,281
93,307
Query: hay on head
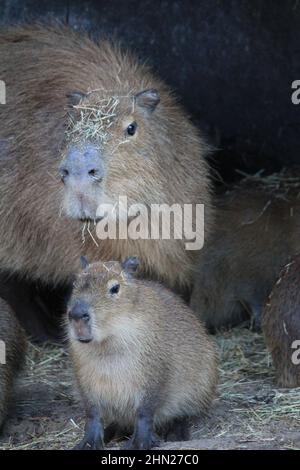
93,122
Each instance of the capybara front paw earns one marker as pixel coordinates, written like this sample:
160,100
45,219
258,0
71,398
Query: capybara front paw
145,443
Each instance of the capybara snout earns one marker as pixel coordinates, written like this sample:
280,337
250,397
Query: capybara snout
80,320
82,163
79,311
82,172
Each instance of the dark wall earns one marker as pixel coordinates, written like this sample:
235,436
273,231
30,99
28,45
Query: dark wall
231,61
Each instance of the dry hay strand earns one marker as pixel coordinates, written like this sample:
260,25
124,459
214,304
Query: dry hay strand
280,184
93,122
248,392
45,403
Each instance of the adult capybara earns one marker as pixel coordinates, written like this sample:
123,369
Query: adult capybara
281,325
141,357
85,123
12,354
257,232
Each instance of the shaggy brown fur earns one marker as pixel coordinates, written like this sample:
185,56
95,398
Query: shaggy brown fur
281,324
147,350
256,234
164,163
12,335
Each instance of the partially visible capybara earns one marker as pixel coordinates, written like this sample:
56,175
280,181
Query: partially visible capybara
142,359
281,325
38,307
12,355
83,124
257,231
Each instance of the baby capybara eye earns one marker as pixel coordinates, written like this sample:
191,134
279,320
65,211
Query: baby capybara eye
131,129
114,289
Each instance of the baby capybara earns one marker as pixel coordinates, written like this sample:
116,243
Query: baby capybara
281,325
142,359
256,233
83,124
12,354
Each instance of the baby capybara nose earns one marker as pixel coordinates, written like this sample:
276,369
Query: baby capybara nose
79,311
82,163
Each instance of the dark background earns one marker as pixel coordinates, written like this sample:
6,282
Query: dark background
232,63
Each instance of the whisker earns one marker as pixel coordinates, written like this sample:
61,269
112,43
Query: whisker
82,233
91,235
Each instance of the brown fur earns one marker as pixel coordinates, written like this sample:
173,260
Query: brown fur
164,164
281,324
146,343
257,232
15,344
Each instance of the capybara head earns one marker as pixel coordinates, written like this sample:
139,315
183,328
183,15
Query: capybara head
111,150
100,298
127,136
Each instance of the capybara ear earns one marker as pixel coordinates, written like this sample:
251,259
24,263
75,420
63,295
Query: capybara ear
74,97
147,99
84,262
131,264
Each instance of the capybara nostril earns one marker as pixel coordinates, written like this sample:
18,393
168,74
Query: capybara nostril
79,311
64,173
78,315
96,174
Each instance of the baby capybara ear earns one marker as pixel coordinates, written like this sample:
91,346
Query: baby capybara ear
147,99
84,262
131,264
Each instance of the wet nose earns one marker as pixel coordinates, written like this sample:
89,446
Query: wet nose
84,163
79,311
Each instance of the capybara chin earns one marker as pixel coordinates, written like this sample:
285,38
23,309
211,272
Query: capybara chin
281,325
256,233
84,124
12,355
142,359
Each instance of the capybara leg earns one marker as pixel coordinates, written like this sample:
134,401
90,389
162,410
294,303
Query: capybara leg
143,437
93,432
256,309
178,430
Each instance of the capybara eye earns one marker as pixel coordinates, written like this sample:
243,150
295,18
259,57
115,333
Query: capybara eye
114,289
131,129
